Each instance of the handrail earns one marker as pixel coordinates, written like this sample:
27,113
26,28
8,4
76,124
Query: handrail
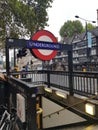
84,83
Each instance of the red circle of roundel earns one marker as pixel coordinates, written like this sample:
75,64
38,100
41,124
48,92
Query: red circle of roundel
38,53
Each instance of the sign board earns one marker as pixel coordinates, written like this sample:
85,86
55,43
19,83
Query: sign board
89,37
44,37
43,45
21,107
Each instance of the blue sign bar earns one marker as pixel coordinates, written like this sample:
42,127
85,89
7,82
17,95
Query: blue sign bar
43,45
89,36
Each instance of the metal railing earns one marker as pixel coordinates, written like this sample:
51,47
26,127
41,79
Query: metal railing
83,83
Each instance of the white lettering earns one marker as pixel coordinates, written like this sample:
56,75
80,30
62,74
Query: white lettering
43,45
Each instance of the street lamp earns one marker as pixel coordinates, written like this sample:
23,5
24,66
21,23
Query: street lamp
85,19
86,30
85,22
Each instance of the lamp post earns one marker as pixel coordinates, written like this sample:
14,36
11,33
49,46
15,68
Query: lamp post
86,31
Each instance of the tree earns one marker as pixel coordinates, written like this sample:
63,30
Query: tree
89,26
70,28
20,18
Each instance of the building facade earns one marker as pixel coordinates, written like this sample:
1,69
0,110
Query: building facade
83,55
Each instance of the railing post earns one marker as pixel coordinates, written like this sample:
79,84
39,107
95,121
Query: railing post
70,67
31,111
48,78
7,57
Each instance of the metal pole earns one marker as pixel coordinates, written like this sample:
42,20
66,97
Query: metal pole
7,57
88,49
86,30
70,67
14,57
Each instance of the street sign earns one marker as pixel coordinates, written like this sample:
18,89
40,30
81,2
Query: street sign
89,37
34,44
44,37
43,45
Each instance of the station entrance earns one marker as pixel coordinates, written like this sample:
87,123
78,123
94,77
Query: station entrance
19,89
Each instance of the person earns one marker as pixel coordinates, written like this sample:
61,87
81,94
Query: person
23,70
84,69
59,67
27,66
16,69
2,77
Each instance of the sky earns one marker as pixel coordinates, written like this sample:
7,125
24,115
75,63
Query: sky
64,10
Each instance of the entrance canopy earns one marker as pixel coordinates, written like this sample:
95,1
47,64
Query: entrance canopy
34,44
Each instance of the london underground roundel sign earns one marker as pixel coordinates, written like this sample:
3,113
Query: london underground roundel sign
43,54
